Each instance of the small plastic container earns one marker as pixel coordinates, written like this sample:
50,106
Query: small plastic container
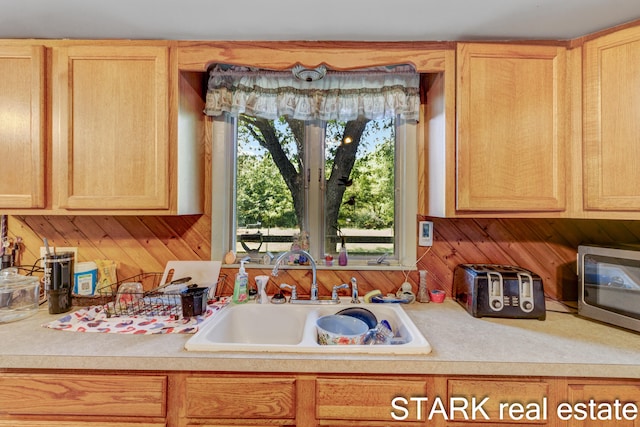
194,301
437,295
85,278
19,295
129,293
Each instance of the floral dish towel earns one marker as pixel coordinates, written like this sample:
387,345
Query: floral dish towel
95,319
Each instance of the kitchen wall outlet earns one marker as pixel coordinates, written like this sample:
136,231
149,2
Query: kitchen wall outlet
425,233
59,250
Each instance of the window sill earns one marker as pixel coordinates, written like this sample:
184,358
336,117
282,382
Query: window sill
351,267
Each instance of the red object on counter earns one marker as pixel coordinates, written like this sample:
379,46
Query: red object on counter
437,295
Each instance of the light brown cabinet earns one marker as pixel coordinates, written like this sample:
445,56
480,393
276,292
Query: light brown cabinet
603,394
511,112
611,107
22,126
502,401
119,131
188,399
340,401
223,399
70,400
53,423
111,146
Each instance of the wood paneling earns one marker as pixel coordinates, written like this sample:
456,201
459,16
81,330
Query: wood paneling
144,244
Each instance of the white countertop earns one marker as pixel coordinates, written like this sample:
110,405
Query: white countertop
562,345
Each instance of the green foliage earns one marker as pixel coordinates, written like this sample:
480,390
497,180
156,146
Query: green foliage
262,194
264,197
372,191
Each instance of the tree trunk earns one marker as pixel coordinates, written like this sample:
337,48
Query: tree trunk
342,166
293,175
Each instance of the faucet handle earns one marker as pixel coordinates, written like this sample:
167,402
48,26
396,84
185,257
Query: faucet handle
354,291
334,292
293,288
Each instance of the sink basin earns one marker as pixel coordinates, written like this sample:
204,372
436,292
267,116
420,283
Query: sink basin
249,326
291,328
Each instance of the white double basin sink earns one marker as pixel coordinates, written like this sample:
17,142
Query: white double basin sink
291,328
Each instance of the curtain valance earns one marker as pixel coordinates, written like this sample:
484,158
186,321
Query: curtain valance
383,92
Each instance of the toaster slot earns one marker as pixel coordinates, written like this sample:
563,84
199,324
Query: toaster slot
495,289
525,286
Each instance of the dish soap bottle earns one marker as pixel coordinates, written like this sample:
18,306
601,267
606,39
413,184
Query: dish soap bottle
343,257
240,288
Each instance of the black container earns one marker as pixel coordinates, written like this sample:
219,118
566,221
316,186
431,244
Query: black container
59,300
194,301
58,281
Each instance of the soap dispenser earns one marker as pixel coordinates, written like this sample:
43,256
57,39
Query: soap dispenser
240,288
343,257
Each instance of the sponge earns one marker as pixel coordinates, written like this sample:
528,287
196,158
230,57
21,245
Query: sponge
371,294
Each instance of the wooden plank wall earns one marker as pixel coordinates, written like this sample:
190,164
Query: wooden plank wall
145,244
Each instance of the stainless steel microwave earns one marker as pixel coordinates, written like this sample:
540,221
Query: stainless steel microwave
609,284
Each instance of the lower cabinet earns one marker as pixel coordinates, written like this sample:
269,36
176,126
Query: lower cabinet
222,400
377,401
602,403
500,401
208,399
58,423
68,399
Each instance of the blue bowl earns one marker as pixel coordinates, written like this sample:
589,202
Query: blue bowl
361,313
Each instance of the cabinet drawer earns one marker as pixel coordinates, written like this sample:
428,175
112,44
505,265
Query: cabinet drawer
365,399
52,423
240,398
513,393
90,395
603,393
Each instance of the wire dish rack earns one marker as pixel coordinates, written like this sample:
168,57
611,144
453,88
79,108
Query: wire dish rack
120,300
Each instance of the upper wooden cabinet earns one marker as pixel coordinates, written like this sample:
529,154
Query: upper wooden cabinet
111,146
22,124
611,108
126,129
511,137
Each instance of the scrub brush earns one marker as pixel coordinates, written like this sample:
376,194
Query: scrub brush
367,297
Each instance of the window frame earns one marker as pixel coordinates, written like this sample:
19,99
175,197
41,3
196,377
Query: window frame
223,190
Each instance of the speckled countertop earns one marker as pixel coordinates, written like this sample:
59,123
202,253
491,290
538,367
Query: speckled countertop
562,345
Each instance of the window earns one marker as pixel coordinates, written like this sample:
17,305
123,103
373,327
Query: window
282,180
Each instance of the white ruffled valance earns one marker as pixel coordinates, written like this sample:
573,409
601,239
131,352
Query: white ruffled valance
379,93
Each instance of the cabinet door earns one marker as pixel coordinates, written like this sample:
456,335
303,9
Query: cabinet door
611,126
110,129
103,396
22,150
511,127
240,398
506,402
368,399
66,423
604,396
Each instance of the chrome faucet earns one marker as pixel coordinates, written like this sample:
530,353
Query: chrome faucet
334,292
354,291
293,289
314,283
